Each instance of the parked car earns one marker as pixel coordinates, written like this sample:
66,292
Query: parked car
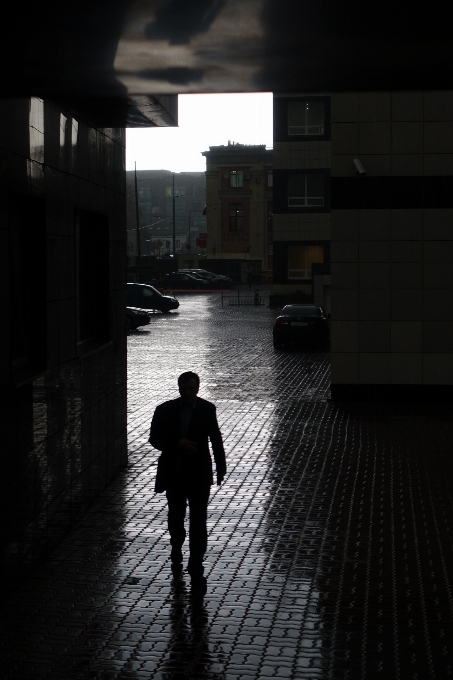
301,324
135,317
185,281
192,273
147,297
216,280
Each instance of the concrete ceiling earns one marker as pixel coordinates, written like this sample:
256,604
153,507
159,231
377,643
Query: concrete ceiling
126,50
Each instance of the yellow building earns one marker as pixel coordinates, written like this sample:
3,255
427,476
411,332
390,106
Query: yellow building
239,208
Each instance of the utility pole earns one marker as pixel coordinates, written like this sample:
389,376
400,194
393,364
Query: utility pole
174,220
139,250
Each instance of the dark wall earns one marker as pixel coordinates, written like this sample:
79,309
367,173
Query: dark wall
62,350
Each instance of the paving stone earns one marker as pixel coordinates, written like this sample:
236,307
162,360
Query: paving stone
330,541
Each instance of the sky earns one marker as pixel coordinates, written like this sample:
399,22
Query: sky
204,120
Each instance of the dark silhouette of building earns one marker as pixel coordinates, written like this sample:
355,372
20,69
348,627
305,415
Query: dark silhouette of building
63,351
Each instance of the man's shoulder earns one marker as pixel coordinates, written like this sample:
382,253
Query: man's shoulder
204,404
168,405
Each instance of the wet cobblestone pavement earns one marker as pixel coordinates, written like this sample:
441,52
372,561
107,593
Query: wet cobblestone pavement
330,541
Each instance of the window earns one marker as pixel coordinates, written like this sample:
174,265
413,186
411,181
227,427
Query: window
180,207
236,216
270,216
305,191
301,258
63,141
306,117
270,178
179,191
236,178
36,122
74,147
36,137
146,207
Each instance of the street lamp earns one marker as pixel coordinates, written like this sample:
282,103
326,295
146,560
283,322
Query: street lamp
174,218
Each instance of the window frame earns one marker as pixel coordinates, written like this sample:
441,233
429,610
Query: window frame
305,201
306,124
281,119
238,175
237,217
306,272
281,192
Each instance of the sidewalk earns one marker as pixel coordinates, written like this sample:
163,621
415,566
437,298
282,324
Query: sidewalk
330,542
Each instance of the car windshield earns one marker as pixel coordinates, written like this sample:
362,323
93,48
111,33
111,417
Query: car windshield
302,310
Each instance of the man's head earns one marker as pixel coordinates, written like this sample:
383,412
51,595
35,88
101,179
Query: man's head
189,384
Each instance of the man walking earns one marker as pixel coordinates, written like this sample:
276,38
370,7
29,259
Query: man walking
181,428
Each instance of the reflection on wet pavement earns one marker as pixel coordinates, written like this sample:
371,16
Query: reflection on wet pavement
330,547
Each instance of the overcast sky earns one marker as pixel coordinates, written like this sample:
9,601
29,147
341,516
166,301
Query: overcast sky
204,120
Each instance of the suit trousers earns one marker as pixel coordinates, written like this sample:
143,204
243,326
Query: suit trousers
197,497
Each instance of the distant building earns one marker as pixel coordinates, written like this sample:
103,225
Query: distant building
239,208
155,208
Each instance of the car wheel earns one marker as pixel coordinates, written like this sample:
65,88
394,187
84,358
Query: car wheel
165,310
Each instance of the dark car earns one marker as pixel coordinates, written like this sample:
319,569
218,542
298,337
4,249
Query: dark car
301,324
216,280
192,273
147,297
135,317
183,280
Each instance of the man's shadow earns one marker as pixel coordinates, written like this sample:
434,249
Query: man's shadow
188,654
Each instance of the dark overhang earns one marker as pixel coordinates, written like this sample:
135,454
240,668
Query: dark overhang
115,55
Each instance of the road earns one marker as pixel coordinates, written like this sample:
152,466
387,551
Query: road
330,542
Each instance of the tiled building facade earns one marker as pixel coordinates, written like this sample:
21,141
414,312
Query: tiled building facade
367,179
392,247
301,237
63,351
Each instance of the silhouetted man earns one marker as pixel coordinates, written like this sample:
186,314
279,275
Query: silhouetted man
181,428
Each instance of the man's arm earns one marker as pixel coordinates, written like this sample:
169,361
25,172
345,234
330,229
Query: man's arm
217,446
156,434
163,433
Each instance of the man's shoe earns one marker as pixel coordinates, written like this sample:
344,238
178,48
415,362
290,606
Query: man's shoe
199,586
176,556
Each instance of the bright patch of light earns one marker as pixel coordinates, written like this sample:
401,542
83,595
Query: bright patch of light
204,120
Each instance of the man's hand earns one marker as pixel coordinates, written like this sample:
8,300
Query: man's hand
188,445
220,476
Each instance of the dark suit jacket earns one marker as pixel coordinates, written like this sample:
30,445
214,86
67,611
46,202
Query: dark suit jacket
176,465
